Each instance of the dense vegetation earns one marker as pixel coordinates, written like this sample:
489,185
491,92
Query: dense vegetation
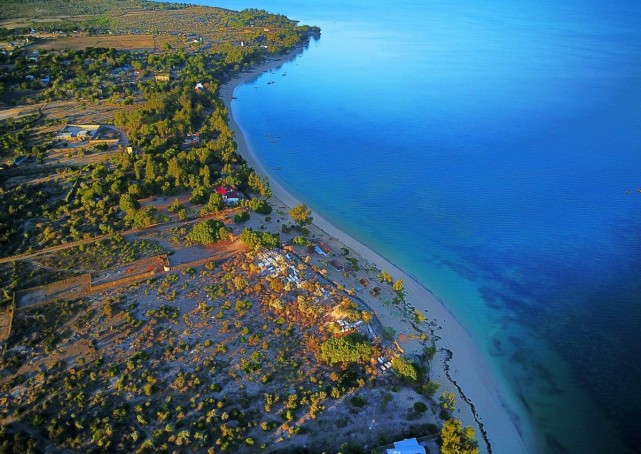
256,239
158,118
347,349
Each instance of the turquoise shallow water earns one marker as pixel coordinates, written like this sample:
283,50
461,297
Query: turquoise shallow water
492,149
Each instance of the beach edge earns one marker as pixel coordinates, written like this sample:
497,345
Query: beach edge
459,366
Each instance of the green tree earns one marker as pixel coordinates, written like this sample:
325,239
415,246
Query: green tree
457,440
150,170
258,185
255,239
215,202
348,349
207,232
447,401
243,216
128,203
175,206
404,369
429,389
386,277
258,205
142,217
301,214
420,407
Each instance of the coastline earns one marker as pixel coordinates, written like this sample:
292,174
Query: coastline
458,366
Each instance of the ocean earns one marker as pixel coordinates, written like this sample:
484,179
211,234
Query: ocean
491,149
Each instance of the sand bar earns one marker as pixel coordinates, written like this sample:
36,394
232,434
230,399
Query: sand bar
458,366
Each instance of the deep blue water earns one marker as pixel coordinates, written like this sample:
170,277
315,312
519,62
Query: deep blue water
493,150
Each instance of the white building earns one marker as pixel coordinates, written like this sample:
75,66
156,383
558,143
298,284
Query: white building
408,446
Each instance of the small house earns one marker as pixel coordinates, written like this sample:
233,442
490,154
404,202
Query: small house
407,446
336,265
84,134
64,135
325,248
231,197
229,194
19,160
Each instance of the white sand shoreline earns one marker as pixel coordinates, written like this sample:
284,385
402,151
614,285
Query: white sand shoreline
466,367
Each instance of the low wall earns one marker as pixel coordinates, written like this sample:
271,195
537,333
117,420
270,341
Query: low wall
107,141
122,281
65,288
7,321
85,127
193,264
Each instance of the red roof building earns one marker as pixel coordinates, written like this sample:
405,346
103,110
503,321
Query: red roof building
325,248
230,195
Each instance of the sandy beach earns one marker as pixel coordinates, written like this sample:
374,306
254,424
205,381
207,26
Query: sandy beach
458,366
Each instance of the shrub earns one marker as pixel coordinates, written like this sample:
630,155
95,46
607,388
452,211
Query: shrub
301,241
429,389
420,407
241,217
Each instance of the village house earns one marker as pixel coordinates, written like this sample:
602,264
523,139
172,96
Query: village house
191,139
336,265
324,247
229,194
407,446
78,132
64,135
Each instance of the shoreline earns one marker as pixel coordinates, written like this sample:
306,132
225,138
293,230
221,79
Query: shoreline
458,365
